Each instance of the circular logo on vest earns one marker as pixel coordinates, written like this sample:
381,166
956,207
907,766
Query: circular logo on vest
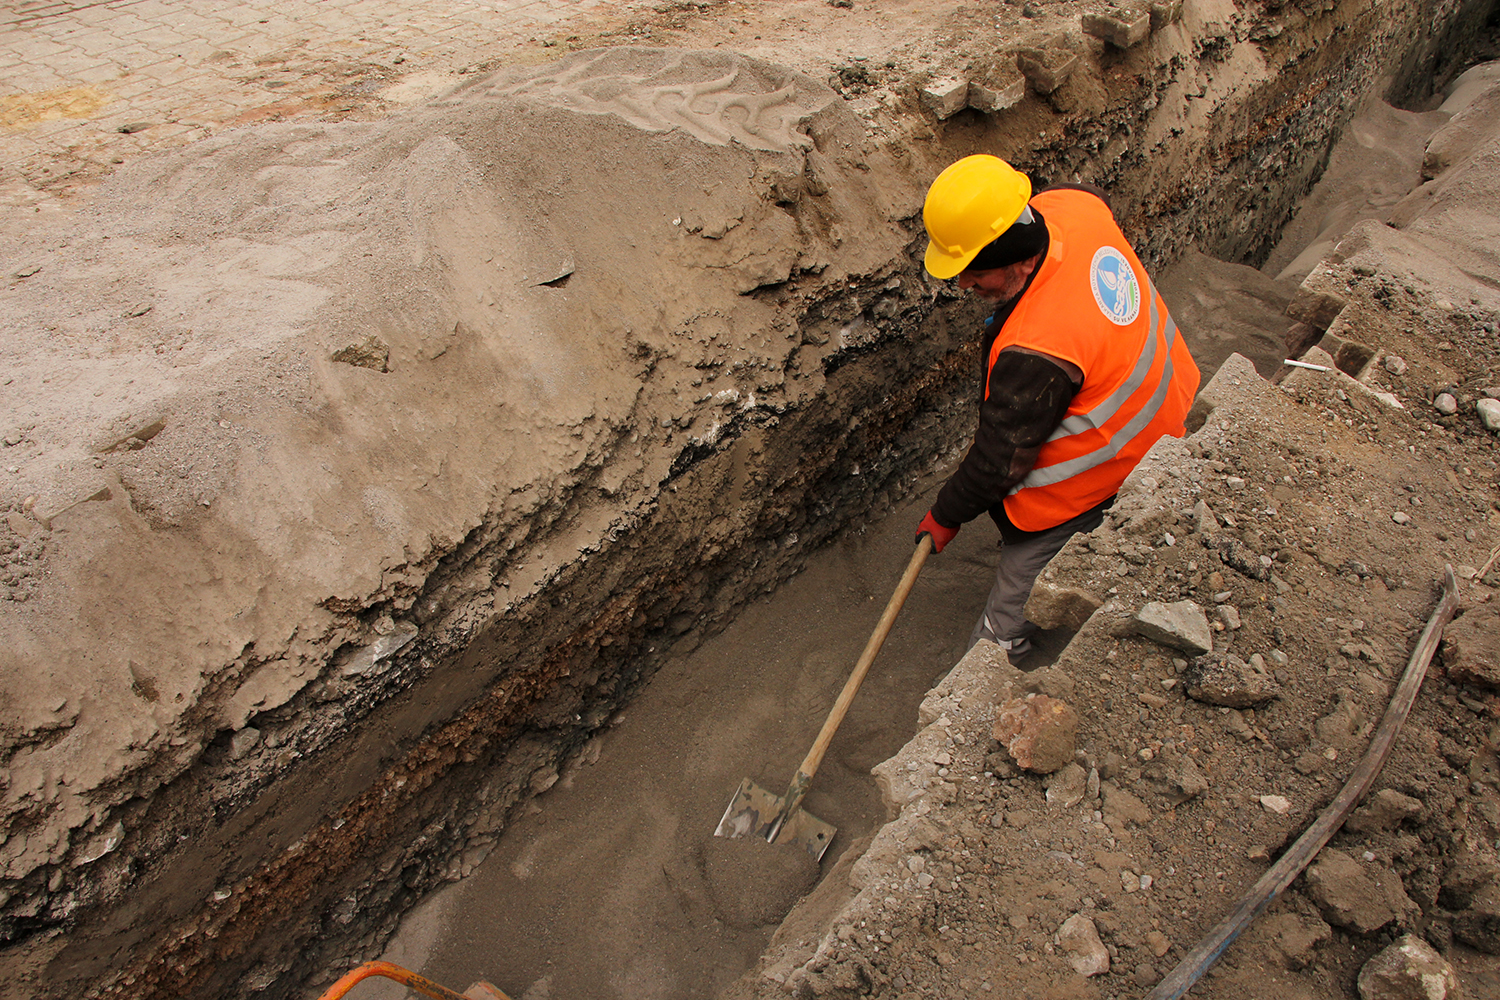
1116,290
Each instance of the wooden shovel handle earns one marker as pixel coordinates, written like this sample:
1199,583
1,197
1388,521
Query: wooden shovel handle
851,686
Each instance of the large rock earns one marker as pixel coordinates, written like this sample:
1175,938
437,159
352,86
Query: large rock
1362,898
1181,625
1471,647
1225,679
1408,970
1055,605
1039,732
1489,413
1296,937
1079,940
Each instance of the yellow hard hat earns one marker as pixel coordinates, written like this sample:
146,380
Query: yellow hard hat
968,205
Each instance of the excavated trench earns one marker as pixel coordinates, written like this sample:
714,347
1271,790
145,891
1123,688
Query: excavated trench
752,438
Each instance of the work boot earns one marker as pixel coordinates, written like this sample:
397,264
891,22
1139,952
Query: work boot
1020,648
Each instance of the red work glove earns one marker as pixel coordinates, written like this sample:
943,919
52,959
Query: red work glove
940,535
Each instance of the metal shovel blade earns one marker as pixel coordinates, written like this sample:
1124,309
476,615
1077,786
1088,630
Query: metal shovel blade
753,811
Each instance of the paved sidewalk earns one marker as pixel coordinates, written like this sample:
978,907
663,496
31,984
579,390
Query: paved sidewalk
86,84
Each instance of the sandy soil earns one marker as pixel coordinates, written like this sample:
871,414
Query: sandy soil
231,370
641,906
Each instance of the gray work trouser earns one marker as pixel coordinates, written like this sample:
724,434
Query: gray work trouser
1021,560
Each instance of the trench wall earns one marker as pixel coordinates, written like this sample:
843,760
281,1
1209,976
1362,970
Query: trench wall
261,858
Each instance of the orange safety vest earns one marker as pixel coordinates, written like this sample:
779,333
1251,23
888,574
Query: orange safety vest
1093,304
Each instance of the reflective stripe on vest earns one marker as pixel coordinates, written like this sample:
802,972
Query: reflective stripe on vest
1159,339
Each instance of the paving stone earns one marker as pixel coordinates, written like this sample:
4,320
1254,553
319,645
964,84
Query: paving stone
946,96
1124,29
990,96
1316,306
164,62
1165,12
1046,69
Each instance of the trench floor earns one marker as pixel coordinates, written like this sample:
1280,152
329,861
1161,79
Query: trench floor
613,884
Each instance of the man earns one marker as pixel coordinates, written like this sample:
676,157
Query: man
1083,370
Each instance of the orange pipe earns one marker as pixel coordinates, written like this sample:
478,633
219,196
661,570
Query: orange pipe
405,977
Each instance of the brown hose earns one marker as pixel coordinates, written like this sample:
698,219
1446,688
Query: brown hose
1297,857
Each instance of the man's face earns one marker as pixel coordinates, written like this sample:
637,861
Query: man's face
998,284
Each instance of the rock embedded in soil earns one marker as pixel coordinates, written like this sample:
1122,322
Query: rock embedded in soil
1121,807
1471,647
1181,625
1079,940
1039,732
1471,888
1489,413
1056,606
1385,810
1410,969
1176,778
1278,804
1242,558
1225,679
1066,788
1296,937
1361,898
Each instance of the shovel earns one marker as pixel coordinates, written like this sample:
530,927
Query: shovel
755,812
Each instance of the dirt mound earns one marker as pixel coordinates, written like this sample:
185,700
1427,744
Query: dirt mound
267,386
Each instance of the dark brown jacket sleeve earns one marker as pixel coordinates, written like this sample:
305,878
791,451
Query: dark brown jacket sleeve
1028,397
